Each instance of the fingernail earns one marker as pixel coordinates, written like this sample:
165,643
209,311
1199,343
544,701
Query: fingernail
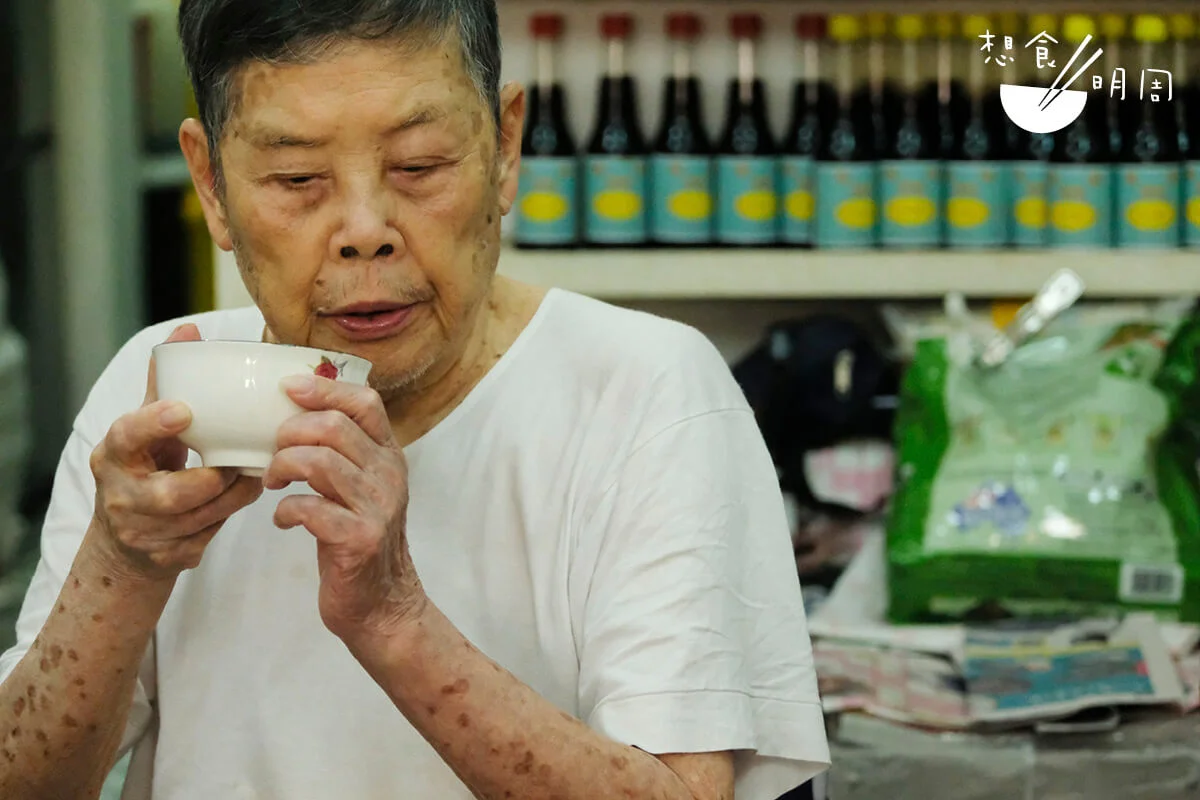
175,415
298,384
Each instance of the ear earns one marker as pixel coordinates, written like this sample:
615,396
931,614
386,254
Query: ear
512,128
194,143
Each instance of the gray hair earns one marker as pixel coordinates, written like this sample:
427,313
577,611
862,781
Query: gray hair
221,36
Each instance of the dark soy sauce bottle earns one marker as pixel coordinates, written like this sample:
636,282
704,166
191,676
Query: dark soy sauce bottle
813,99
747,191
681,169
547,211
615,165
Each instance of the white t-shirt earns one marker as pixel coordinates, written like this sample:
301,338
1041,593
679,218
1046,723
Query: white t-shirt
600,517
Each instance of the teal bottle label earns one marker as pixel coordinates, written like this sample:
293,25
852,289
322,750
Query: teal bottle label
548,201
1191,204
977,204
1147,205
682,192
846,212
616,200
1081,205
747,200
797,194
910,204
1030,182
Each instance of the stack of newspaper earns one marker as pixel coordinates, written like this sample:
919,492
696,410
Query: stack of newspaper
958,677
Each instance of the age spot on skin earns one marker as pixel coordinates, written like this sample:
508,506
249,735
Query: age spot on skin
76,583
97,618
71,654
61,608
69,721
41,737
45,664
460,686
464,721
432,710
525,764
107,582
56,654
80,682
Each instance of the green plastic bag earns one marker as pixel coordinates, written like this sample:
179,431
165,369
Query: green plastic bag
1063,483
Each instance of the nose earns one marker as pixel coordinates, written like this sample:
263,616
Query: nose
367,232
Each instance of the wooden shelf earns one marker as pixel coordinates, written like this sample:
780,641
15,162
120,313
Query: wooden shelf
792,274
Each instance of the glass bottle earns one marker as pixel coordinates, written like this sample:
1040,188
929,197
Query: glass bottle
681,169
878,99
1030,164
747,192
945,95
1114,30
911,180
1187,121
1148,190
978,203
615,165
1081,197
812,98
547,210
846,167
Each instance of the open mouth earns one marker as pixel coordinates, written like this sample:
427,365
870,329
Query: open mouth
366,323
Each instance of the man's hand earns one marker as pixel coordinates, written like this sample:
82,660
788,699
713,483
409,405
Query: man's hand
344,448
156,519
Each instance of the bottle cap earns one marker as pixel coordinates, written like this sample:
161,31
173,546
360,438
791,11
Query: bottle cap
546,26
876,25
1113,26
1183,26
1077,27
845,28
1037,24
1149,28
910,27
682,26
812,26
976,25
746,26
945,25
616,26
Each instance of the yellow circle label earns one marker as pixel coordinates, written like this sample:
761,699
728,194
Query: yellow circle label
967,212
619,206
911,211
1193,211
757,206
690,205
1073,216
544,207
801,206
858,213
1031,212
1151,215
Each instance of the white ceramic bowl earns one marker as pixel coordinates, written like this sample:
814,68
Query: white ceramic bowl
233,391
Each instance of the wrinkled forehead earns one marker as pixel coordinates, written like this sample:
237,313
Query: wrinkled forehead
422,80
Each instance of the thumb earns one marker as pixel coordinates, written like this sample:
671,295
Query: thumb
184,333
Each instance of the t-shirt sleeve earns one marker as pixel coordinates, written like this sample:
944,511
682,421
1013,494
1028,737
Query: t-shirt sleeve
691,628
67,518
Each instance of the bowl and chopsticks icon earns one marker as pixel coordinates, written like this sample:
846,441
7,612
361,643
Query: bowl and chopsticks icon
1039,110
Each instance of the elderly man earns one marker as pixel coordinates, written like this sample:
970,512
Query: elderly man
546,554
